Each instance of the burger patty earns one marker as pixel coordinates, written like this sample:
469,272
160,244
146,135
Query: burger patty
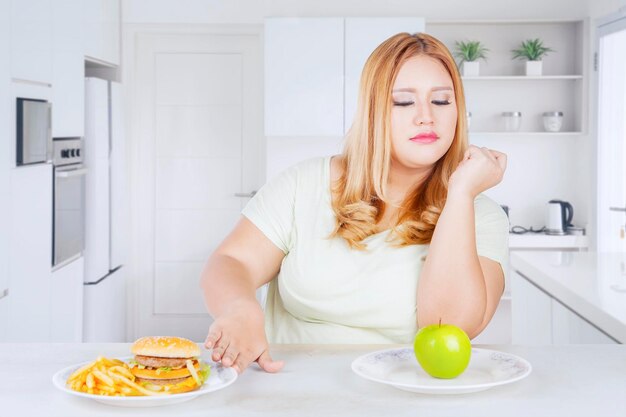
160,381
155,362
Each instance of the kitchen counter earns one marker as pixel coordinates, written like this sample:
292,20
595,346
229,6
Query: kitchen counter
591,284
317,380
543,241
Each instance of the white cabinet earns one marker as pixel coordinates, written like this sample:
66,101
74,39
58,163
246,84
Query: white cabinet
47,47
31,40
102,30
568,327
531,312
499,330
4,314
313,68
362,36
68,69
31,253
304,76
539,319
97,191
66,303
502,84
105,309
5,152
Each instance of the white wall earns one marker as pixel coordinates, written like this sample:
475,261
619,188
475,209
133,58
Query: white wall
554,167
253,11
600,8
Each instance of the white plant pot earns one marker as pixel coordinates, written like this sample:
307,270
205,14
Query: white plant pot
471,69
533,67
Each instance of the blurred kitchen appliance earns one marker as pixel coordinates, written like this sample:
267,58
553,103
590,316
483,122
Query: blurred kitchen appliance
68,230
506,210
105,221
33,131
559,217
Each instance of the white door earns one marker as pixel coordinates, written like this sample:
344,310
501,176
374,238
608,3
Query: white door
612,137
198,142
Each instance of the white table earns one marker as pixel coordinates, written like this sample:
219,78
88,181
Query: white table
317,380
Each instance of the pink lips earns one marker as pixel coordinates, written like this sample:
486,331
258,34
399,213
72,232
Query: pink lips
426,137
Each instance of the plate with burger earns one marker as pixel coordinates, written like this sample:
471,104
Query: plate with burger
164,370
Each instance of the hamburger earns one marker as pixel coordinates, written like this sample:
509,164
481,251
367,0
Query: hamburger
168,364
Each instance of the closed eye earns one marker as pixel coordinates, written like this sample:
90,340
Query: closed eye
410,103
403,103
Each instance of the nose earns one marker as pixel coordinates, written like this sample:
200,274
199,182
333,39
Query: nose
423,115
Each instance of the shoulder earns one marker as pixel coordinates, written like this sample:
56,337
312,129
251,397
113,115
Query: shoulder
488,210
484,203
307,167
336,167
304,178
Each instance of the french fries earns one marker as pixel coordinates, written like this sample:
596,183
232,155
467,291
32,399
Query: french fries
107,377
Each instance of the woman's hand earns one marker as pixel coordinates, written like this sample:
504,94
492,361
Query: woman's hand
237,338
480,169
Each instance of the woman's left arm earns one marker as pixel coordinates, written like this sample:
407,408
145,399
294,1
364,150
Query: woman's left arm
456,285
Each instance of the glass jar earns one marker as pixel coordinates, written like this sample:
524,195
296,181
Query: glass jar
552,121
512,120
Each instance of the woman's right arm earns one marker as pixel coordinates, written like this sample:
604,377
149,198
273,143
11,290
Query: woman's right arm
244,261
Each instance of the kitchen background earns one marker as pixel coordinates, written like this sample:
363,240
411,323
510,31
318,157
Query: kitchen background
185,108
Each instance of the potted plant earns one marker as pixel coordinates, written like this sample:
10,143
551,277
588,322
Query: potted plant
468,54
532,50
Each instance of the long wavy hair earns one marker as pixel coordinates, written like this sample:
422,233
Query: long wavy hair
360,193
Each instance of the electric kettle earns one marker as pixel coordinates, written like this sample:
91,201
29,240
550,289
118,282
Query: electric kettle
559,217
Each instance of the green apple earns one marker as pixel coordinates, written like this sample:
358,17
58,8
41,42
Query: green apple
442,350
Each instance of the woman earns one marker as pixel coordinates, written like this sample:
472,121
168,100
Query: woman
369,245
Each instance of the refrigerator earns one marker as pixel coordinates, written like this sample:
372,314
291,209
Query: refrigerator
105,214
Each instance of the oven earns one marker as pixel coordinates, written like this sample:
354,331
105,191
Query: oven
68,201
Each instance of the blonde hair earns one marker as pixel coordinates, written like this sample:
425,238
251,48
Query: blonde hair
359,195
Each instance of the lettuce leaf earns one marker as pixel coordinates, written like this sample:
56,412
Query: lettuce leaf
204,372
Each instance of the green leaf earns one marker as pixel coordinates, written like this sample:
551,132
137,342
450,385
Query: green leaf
204,372
470,51
531,50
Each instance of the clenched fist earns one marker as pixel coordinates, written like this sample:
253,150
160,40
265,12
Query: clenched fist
480,169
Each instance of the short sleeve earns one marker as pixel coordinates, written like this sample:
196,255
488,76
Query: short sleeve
492,231
272,209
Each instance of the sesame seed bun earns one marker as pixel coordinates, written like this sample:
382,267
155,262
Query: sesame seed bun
165,347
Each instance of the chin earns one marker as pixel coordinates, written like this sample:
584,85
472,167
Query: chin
422,161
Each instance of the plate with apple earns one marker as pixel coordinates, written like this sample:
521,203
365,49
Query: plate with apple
442,361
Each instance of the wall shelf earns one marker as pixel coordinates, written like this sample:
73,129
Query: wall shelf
501,85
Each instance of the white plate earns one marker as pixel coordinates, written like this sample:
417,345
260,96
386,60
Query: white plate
399,368
219,378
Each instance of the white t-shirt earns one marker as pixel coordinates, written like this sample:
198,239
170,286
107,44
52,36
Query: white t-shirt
326,292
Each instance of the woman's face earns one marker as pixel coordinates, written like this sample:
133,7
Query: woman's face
424,113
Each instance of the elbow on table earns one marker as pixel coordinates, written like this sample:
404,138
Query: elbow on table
472,323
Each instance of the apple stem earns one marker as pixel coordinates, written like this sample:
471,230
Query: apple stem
439,322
